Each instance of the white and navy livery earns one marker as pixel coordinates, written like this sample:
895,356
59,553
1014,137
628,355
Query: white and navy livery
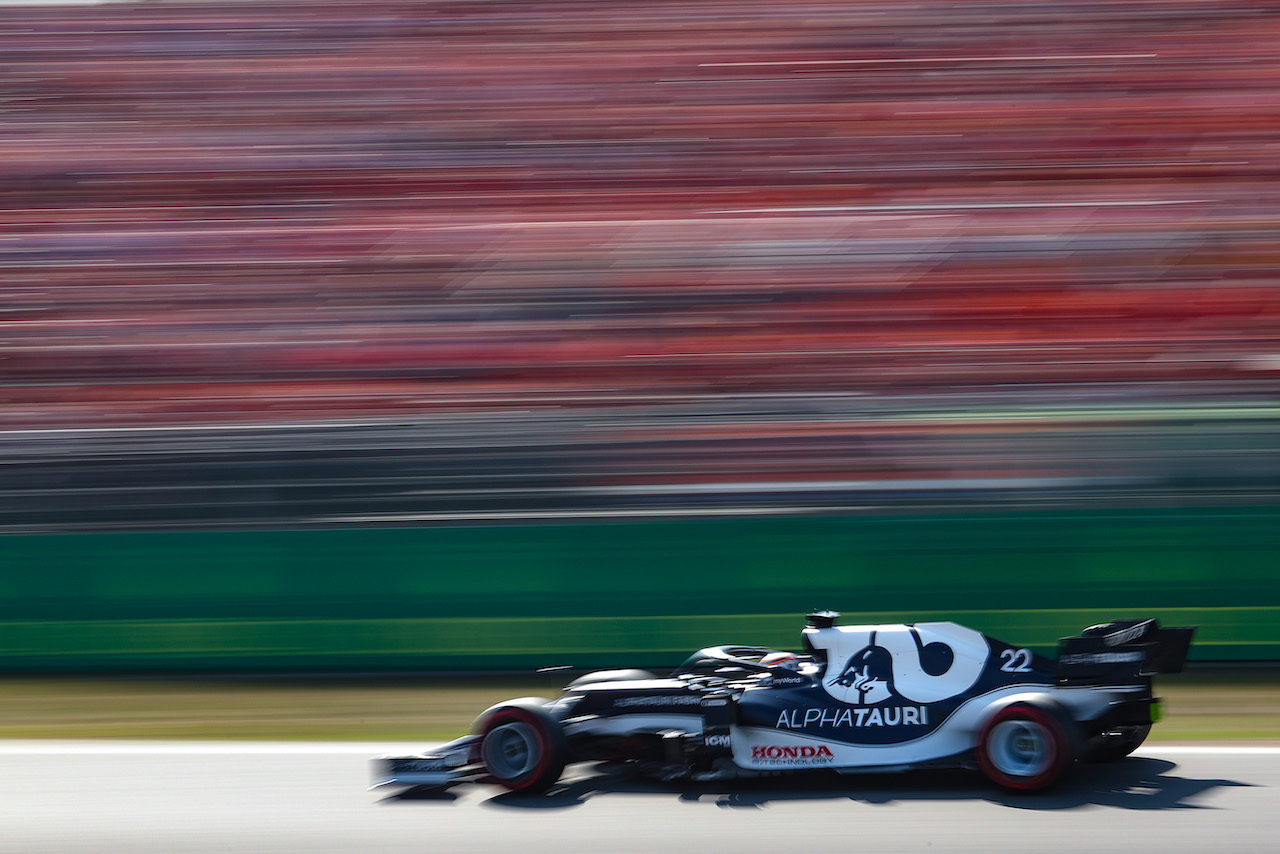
857,698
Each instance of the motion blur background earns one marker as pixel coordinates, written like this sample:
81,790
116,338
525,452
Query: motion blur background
412,335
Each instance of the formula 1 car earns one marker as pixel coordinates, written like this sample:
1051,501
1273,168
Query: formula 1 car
870,698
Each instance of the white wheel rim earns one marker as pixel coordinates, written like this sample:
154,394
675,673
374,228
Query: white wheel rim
1020,748
510,750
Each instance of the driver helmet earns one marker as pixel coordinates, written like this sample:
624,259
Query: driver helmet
784,660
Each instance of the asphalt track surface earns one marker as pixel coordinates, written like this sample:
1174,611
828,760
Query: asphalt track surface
243,797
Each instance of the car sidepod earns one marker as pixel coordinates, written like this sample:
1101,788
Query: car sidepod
889,696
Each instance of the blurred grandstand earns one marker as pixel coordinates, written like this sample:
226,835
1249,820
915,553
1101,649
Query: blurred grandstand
414,262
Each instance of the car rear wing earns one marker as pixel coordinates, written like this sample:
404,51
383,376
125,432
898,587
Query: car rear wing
1122,651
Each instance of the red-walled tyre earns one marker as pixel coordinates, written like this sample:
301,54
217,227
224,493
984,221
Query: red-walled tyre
1024,747
522,747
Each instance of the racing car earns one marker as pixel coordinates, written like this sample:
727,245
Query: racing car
856,698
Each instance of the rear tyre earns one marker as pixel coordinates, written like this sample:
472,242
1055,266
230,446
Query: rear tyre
1024,748
522,747
1114,745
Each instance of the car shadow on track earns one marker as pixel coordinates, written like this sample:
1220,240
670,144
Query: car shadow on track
1136,783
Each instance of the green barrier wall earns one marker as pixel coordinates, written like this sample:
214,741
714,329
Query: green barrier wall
625,593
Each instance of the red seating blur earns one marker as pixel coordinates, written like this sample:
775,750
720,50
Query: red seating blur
240,211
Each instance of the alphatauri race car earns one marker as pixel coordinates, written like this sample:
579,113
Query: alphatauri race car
871,698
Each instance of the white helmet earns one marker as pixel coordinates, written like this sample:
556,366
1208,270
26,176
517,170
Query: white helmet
783,660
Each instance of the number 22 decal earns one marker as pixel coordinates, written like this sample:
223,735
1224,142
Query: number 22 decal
1016,661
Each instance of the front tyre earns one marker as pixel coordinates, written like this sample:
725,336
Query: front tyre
1024,748
522,747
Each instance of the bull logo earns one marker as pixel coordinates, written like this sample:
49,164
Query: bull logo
924,663
869,674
